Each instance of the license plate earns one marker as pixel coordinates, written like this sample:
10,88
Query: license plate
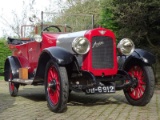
101,89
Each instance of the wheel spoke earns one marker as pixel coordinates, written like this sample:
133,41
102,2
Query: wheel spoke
132,92
135,71
142,92
51,95
138,90
56,96
11,85
141,88
53,92
49,76
141,82
58,87
136,93
51,73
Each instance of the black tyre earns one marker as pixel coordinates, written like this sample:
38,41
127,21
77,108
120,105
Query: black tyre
56,87
141,93
13,87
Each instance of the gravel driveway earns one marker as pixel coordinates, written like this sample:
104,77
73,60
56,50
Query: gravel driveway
30,104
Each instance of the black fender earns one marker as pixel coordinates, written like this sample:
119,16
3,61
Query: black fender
12,63
59,55
138,54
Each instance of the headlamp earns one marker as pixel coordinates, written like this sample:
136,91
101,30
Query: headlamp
126,46
37,38
80,45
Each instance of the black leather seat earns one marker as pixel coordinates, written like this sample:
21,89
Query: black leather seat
16,41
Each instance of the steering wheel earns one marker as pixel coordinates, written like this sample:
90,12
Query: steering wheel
52,26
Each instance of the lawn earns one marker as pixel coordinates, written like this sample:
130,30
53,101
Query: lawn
1,77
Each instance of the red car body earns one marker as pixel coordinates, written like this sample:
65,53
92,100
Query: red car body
28,54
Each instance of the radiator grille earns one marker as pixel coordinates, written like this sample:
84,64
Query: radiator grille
102,52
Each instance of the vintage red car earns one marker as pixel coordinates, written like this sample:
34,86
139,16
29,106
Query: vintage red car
85,61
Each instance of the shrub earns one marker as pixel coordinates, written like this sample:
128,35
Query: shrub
4,52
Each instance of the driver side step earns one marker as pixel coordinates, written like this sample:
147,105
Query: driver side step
26,82
23,77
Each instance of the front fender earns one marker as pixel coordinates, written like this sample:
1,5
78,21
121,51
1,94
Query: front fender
138,54
12,63
59,55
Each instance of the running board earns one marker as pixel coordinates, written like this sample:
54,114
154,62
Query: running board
26,82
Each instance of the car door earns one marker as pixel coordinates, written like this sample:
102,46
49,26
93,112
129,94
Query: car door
33,54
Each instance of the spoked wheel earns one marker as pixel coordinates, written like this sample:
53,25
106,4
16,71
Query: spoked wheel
56,87
13,87
142,91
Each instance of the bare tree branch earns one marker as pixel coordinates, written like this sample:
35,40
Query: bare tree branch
16,20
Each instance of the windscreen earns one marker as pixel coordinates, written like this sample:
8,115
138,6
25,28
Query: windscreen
74,22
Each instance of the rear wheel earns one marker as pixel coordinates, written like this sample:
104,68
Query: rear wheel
56,87
142,91
13,87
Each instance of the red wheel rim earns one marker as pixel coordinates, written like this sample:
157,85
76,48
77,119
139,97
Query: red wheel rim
11,85
53,94
138,90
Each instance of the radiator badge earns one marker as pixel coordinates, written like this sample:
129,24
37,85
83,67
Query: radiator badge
97,44
102,32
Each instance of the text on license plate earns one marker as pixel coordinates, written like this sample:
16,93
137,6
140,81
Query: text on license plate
101,89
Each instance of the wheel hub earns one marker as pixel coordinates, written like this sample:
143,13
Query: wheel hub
52,85
135,83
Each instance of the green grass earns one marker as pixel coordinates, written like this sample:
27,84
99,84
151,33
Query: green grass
1,77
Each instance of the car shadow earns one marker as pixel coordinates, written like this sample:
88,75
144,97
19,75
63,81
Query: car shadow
75,98
34,94
81,99
157,87
6,101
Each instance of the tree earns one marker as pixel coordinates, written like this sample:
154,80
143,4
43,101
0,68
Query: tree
85,9
101,9
4,52
107,16
139,20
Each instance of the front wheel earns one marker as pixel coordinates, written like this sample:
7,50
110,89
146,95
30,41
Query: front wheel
142,91
56,87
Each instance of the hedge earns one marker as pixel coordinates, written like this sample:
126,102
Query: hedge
4,52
